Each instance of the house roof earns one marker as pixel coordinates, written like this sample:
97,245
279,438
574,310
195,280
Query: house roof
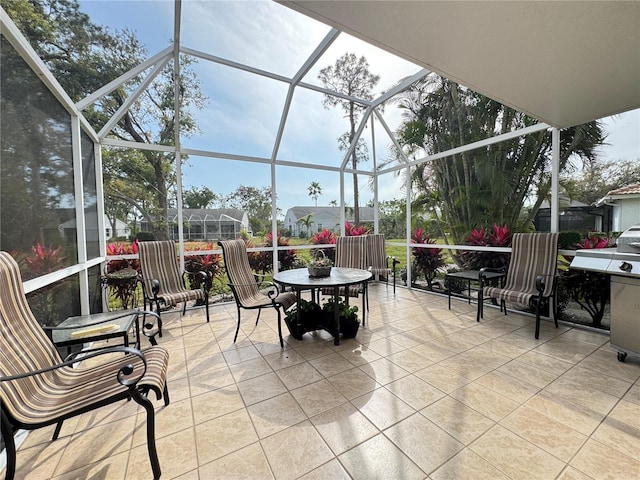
298,212
633,189
207,214
564,63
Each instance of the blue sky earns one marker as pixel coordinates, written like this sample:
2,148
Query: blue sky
243,110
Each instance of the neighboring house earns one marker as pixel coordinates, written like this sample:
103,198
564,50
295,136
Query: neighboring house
68,228
321,218
206,224
620,209
574,216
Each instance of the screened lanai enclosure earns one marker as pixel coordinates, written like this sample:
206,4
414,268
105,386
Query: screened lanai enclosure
437,117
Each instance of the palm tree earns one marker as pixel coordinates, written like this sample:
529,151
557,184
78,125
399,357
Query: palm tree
315,190
307,221
486,185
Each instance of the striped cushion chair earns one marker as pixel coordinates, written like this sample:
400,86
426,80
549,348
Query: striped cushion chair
351,252
531,276
38,389
162,281
246,289
378,259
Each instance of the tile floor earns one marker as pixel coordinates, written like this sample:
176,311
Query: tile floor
423,392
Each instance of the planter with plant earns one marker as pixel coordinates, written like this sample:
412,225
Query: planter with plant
348,317
320,265
310,318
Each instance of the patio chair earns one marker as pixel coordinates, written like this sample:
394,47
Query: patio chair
351,252
531,276
246,288
162,281
38,389
379,260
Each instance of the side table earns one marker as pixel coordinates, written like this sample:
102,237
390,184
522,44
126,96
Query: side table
95,327
470,276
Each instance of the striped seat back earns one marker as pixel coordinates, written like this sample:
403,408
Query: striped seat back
158,260
351,252
532,254
376,254
24,347
238,269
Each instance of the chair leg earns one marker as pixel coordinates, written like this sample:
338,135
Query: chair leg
151,431
158,312
238,327
480,312
280,328
206,306
165,394
56,432
537,334
10,446
258,317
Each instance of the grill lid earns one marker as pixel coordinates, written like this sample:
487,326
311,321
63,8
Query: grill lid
624,260
629,241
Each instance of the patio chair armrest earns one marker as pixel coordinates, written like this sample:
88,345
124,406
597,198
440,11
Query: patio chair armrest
484,270
541,285
126,375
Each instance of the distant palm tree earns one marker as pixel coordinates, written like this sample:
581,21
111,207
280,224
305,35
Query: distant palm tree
307,221
315,190
333,203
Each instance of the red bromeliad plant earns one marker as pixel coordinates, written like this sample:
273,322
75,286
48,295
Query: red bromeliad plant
594,242
43,260
353,231
209,263
426,260
325,237
119,265
497,237
287,258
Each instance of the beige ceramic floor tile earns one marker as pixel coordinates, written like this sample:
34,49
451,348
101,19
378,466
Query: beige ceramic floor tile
379,458
462,422
513,388
181,445
97,444
353,383
275,414
601,462
442,378
296,451
343,427
604,360
529,373
415,392
597,380
260,388
299,375
516,457
214,404
114,467
575,417
244,464
410,360
318,397
331,364
40,461
223,435
383,371
466,465
332,470
621,429
570,473
545,432
486,401
249,369
382,408
210,380
582,395
410,434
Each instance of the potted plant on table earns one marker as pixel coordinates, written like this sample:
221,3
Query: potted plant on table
320,265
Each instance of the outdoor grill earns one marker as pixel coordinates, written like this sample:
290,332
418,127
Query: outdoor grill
623,264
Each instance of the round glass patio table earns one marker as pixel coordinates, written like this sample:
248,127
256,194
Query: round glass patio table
299,280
